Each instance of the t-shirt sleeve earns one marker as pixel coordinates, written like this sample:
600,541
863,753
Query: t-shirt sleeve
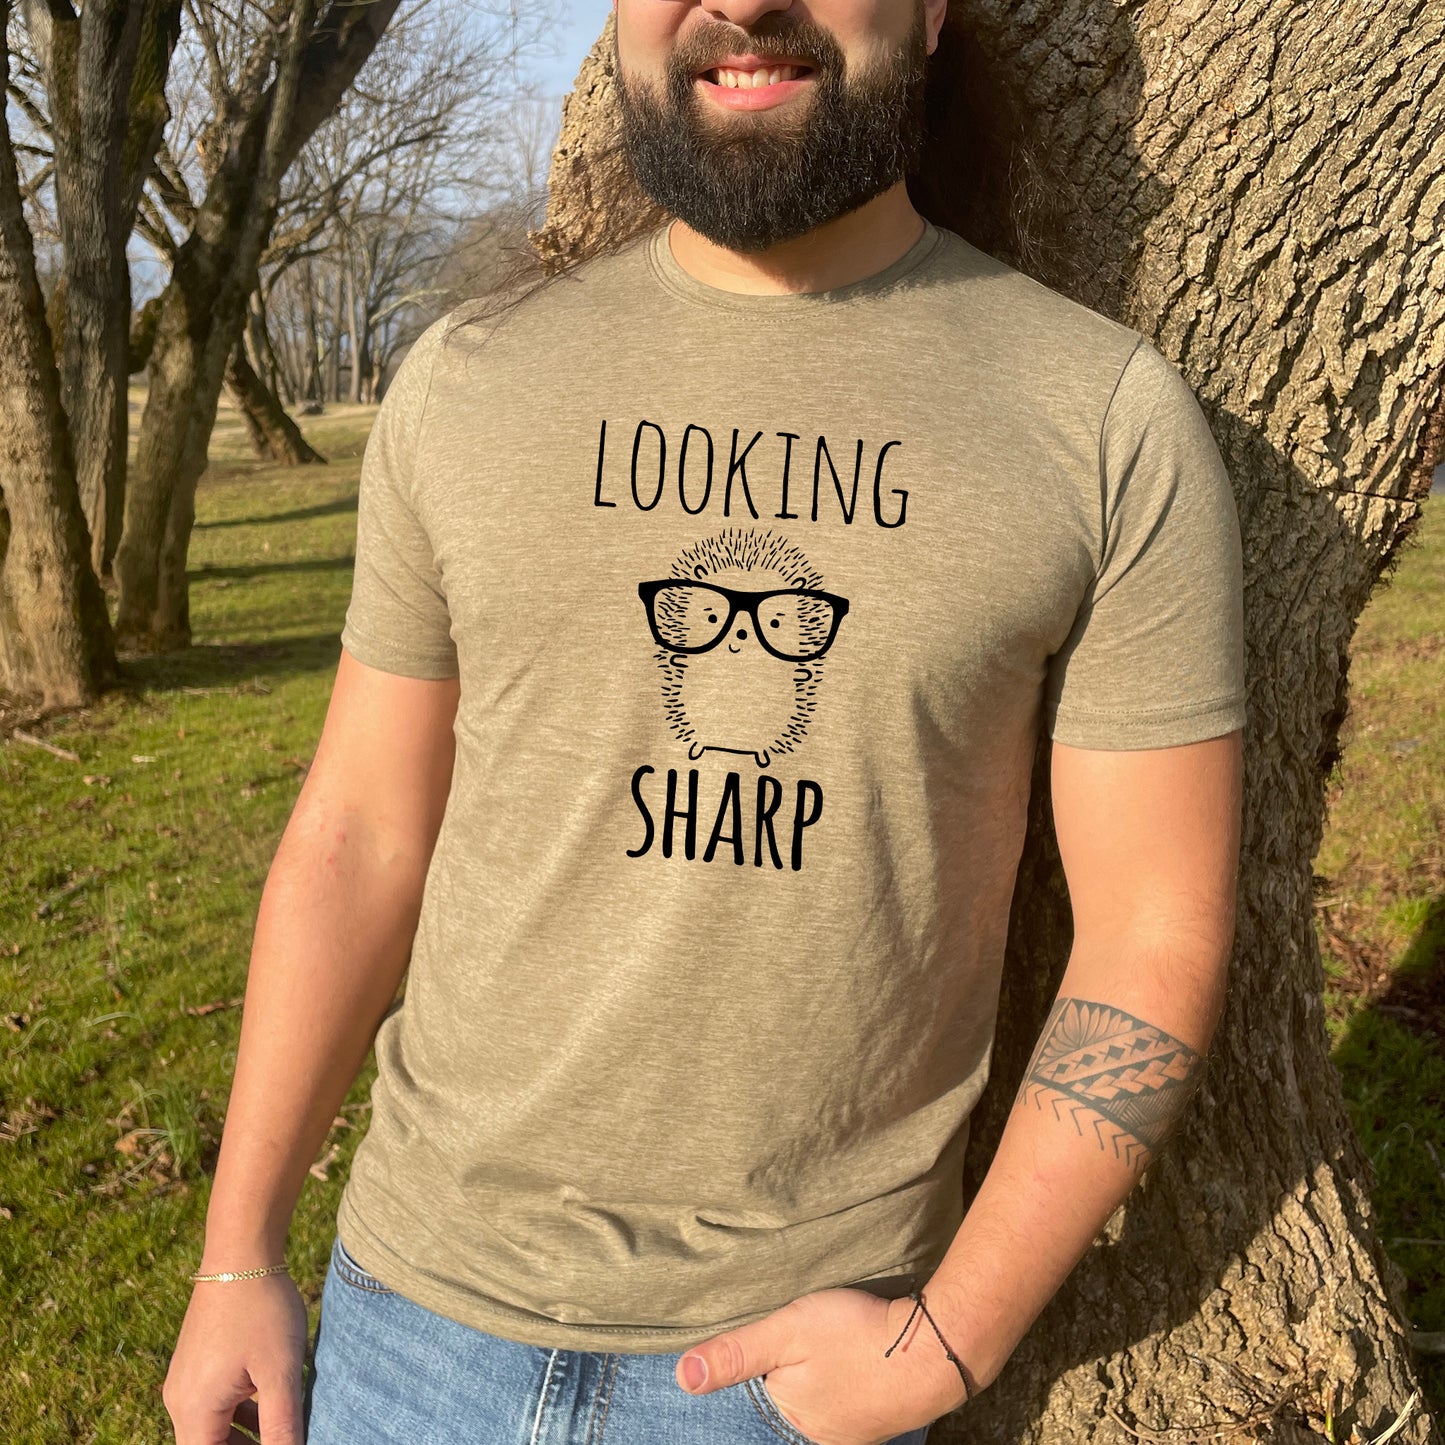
397,619
1156,653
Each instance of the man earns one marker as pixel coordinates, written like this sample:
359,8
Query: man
707,609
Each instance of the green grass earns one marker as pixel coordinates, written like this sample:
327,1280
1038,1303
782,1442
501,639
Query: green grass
130,879
1380,915
121,994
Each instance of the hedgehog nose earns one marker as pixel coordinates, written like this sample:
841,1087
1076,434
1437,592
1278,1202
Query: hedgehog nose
742,634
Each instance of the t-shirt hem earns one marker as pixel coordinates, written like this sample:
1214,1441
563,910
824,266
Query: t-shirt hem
389,659
470,1308
1157,728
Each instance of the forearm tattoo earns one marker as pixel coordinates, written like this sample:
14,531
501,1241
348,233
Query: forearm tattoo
1127,1079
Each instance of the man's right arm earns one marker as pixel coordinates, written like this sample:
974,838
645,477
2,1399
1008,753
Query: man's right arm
332,941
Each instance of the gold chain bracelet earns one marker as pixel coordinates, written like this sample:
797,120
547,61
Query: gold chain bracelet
244,1273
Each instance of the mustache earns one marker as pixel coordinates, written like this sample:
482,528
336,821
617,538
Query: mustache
792,40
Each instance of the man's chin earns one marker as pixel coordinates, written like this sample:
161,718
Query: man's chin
725,231
708,119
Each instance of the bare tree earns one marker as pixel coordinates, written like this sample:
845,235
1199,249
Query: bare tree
122,125
274,436
1257,189
105,71
273,73
487,246
380,197
90,89
273,82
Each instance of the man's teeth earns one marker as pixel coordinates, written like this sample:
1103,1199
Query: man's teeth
751,79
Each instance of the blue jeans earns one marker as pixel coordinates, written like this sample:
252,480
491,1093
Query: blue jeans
387,1371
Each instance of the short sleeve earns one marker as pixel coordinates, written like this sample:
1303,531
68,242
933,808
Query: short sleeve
397,619
1156,653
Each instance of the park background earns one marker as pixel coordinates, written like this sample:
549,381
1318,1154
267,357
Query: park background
137,834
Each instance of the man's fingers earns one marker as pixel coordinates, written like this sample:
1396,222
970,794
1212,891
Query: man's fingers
280,1410
739,1354
207,1430
248,1414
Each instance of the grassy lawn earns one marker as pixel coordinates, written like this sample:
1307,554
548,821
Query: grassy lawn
130,878
128,889
1380,916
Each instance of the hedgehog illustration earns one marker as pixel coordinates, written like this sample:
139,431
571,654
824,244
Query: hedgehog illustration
741,627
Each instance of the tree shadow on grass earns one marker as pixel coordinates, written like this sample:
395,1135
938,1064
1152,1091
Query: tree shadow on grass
270,569
1391,1058
1413,993
245,666
298,514
1417,991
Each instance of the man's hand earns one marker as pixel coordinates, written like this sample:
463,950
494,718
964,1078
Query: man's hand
823,1355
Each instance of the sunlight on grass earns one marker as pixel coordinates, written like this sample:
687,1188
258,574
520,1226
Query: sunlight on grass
1380,881
130,885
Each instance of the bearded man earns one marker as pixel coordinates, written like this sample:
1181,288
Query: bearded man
704,932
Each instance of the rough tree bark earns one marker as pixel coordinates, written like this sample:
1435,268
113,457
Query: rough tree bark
105,72
203,308
1259,190
274,435
55,635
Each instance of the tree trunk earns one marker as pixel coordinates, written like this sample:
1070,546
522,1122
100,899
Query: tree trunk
143,334
274,435
263,354
374,372
105,72
1256,188
203,309
277,380
55,635
92,57
334,332
356,325
149,114
314,388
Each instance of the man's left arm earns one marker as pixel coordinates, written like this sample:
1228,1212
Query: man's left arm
1149,841
1150,844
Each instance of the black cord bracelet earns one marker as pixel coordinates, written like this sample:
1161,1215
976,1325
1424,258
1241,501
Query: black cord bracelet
917,1297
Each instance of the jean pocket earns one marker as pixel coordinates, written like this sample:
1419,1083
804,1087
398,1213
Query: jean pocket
773,1417
352,1273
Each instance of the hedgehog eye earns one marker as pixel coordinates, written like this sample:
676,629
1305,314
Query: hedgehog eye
799,627
689,617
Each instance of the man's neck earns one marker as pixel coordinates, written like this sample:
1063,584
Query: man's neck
846,249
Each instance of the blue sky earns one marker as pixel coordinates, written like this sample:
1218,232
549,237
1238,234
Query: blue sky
583,24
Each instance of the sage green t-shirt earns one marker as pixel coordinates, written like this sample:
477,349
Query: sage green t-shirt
758,604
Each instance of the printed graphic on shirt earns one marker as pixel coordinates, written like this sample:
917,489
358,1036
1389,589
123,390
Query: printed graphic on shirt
741,627
776,478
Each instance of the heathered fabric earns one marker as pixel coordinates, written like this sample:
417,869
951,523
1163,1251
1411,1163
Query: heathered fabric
704,985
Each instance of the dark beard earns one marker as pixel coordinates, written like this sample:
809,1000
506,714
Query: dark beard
748,181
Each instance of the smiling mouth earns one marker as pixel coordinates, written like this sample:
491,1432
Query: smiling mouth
731,78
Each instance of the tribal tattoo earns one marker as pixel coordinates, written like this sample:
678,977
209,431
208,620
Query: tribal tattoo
1130,1079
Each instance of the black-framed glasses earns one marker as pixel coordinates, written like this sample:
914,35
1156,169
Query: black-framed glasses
796,625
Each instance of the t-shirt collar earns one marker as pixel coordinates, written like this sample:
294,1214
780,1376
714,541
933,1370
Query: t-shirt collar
670,273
